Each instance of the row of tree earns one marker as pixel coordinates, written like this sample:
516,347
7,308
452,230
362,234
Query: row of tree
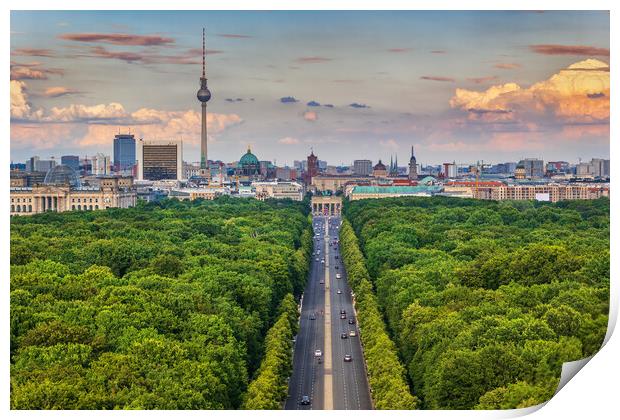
269,389
386,374
163,306
486,300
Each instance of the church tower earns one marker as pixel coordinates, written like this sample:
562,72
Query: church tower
413,166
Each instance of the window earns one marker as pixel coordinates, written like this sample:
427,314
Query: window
73,207
79,206
29,208
96,206
19,208
91,206
12,208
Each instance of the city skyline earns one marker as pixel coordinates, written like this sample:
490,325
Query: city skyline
493,86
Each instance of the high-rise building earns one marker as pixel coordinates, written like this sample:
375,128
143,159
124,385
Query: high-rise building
124,153
534,168
362,167
100,164
449,170
413,166
35,164
600,167
203,96
160,159
71,161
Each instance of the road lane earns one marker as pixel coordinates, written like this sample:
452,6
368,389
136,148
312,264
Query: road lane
334,384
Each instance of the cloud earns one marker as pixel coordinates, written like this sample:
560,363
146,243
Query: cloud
357,105
82,125
234,36
399,50
577,94
310,116
234,99
56,91
555,49
507,66
438,78
313,103
33,52
288,140
328,105
389,144
288,100
31,71
483,79
312,60
438,52
27,73
191,56
118,39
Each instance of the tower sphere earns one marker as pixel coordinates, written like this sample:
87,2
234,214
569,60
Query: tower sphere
204,95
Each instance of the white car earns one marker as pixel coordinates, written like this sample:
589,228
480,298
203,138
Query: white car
318,353
352,333
322,261
338,276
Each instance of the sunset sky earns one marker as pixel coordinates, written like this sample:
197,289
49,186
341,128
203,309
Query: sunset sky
460,86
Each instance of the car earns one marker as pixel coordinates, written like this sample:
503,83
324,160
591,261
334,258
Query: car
347,358
352,333
305,400
322,261
344,335
322,281
342,311
343,316
336,257
337,267
339,291
351,321
318,353
338,276
317,259
313,316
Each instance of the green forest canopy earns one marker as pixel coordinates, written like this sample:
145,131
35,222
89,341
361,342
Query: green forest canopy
161,306
486,300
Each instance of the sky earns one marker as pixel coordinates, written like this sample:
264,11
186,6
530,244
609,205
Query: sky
458,86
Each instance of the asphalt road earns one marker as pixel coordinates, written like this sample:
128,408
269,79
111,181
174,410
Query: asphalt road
333,383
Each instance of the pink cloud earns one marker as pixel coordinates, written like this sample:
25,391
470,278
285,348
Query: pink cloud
555,49
483,79
118,39
310,116
507,66
33,52
288,141
399,50
56,91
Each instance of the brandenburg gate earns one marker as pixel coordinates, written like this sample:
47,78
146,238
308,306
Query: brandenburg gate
326,205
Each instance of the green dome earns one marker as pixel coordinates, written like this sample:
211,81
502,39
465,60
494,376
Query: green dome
248,159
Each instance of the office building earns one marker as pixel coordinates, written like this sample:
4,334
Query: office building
71,161
362,167
124,153
160,159
100,164
534,168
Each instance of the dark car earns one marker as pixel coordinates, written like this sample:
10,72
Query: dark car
336,257
343,335
337,267
347,358
351,321
305,400
312,316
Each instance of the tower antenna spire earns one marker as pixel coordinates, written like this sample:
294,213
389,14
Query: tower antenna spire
203,53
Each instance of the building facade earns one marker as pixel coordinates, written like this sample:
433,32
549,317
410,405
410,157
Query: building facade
112,193
160,159
124,153
362,167
413,166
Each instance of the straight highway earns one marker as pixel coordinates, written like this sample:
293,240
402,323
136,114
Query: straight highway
328,326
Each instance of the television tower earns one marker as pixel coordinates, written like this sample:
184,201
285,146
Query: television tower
203,96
